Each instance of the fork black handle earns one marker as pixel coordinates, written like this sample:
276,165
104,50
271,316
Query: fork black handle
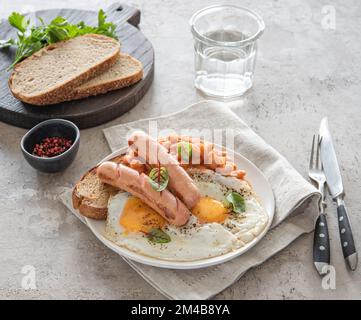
321,245
347,242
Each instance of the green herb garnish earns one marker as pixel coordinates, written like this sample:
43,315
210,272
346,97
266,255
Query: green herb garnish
33,38
159,178
236,202
185,151
6,43
157,235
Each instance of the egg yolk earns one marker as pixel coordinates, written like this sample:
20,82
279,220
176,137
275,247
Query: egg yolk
139,217
210,210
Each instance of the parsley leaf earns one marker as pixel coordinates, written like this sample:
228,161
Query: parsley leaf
101,18
33,38
6,43
18,21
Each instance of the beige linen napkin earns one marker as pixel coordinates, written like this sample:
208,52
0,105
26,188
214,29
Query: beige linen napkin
295,212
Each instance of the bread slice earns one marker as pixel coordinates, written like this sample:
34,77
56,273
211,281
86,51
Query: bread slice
48,75
125,72
90,196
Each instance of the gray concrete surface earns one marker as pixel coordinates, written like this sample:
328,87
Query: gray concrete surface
304,72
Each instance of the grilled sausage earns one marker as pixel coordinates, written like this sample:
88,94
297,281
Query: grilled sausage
180,184
137,184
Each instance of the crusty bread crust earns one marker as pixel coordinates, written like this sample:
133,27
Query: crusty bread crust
109,86
86,206
59,92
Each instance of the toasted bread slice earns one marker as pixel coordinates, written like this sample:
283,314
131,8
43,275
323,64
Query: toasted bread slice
48,75
125,72
90,196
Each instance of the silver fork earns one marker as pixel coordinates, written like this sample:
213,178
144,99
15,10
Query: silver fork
321,242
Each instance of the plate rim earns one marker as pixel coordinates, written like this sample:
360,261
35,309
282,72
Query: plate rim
186,265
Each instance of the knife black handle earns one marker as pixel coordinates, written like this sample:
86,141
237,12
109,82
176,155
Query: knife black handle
347,242
321,244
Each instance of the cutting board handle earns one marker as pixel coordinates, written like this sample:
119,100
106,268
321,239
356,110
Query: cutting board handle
120,13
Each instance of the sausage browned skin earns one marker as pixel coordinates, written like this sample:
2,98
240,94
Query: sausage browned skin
181,185
127,179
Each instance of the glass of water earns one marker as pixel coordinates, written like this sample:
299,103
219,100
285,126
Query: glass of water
225,43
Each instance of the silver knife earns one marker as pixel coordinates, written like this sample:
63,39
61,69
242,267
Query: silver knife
334,183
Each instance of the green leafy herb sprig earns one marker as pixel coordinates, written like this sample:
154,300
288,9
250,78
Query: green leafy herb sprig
159,178
157,235
33,38
236,202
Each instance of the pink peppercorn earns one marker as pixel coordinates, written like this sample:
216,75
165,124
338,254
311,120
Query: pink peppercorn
51,147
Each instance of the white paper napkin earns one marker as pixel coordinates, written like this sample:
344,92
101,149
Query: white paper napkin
296,201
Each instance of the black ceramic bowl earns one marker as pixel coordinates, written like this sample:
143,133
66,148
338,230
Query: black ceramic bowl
48,129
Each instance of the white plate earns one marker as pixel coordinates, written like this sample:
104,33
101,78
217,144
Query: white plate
260,186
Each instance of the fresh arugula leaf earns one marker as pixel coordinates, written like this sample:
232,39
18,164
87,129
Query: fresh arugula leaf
236,201
159,178
18,21
185,151
157,235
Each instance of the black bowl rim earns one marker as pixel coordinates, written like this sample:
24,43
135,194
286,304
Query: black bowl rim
39,125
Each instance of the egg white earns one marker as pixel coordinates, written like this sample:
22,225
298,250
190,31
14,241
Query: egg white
246,226
195,240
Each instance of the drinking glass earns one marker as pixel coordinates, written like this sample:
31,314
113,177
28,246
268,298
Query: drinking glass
225,43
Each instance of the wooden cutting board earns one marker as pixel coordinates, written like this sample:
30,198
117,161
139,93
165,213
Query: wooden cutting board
91,111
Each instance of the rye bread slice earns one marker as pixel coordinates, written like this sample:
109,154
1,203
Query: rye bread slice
125,72
48,75
90,196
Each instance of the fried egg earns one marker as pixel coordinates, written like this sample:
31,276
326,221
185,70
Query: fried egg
212,229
